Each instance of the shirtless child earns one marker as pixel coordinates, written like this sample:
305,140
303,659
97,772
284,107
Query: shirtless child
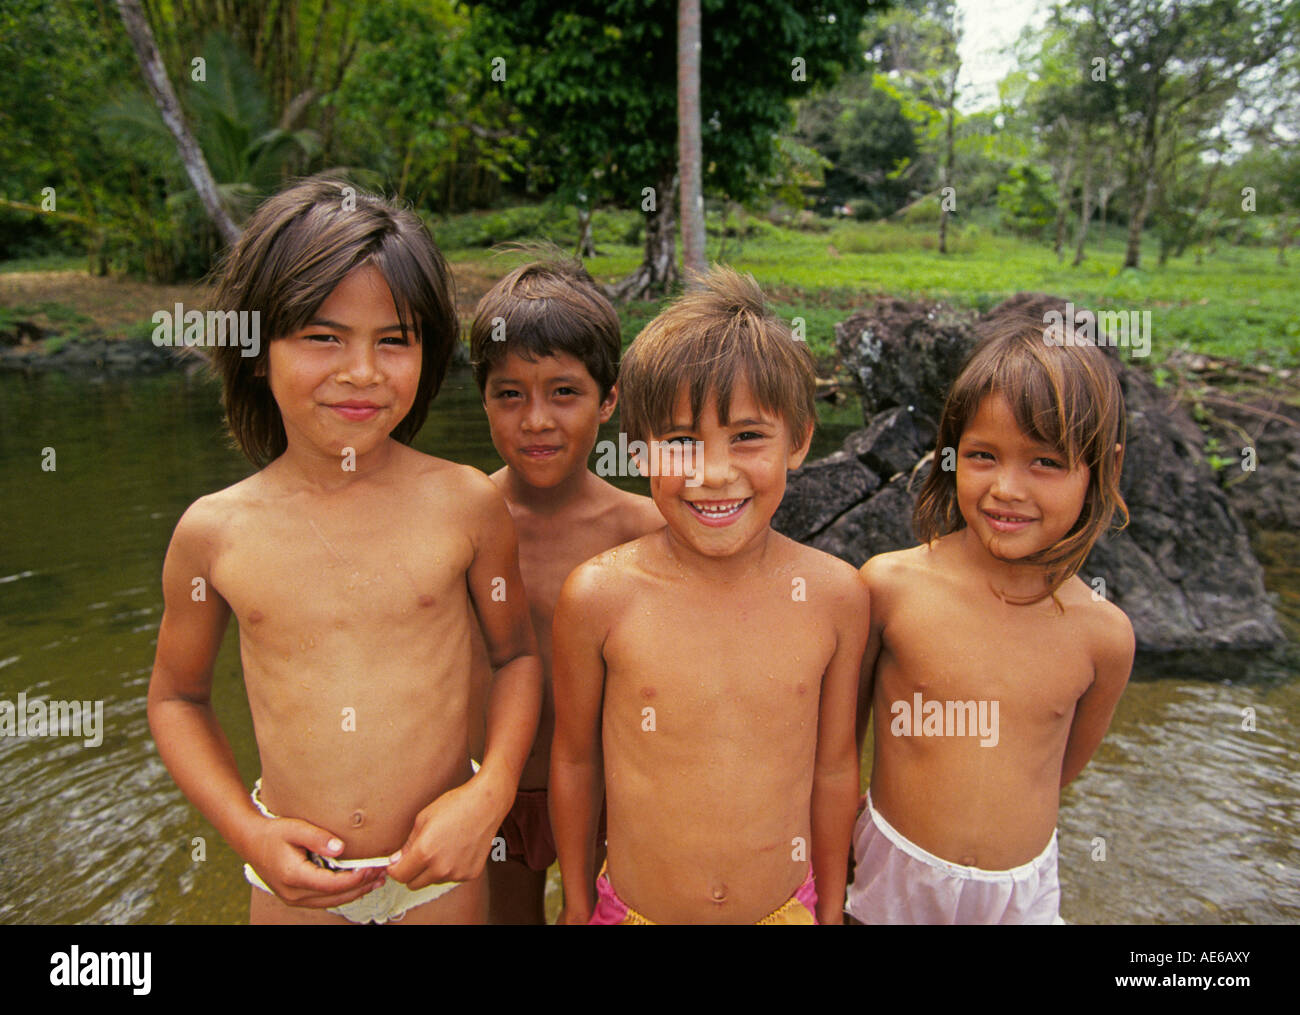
349,561
705,675
996,669
545,344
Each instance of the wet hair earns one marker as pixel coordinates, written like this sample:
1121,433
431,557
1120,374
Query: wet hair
296,248
543,309
1065,396
718,331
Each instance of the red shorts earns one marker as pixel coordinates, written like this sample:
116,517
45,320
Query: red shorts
527,830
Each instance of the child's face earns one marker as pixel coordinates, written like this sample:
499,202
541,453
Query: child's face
733,485
349,377
544,415
1016,495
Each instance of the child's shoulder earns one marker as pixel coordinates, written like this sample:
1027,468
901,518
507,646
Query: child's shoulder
885,571
830,572
632,514
617,571
1109,630
465,484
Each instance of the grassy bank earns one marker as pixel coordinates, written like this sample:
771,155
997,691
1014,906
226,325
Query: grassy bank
1239,303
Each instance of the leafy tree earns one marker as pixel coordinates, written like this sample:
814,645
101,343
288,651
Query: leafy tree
1167,56
869,143
598,82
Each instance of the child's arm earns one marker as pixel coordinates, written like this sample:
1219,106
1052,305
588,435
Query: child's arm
835,776
194,748
577,777
453,835
871,575
1093,712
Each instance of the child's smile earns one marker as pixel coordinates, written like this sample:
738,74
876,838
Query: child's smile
544,415
349,376
1018,496
736,476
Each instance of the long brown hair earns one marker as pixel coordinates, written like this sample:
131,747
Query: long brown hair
297,247
1065,396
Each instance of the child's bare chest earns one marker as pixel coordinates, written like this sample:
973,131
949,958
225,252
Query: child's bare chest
1032,660
713,659
339,574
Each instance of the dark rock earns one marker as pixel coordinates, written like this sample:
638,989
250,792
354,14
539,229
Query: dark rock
820,492
905,354
877,525
1266,436
888,445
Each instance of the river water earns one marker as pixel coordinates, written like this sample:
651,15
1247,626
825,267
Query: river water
1185,815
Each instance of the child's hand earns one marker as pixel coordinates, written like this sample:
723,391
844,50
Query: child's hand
279,858
450,841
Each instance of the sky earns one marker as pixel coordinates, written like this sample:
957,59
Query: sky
989,26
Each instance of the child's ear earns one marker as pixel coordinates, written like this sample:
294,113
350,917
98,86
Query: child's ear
799,452
1119,459
609,403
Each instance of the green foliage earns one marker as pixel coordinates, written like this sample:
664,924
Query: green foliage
1025,201
597,80
860,129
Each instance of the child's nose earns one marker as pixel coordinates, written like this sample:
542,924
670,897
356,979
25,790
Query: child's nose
1007,483
714,457
361,366
537,415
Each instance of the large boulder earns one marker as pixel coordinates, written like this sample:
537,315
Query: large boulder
1182,570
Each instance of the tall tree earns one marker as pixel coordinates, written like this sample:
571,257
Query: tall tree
690,158
155,76
1166,55
598,81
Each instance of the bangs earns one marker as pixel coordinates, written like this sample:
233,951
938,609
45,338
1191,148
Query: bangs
706,343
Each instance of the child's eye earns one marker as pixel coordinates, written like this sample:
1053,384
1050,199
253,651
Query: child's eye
397,339
980,456
566,391
320,338
1051,463
679,439
505,393
750,435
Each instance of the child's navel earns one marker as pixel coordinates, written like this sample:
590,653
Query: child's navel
720,893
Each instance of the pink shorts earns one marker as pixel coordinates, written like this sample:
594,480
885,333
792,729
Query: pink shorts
896,881
799,909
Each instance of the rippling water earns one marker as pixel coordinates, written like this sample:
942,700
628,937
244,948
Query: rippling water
1198,815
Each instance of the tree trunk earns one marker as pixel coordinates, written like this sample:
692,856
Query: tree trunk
586,246
948,161
1085,211
1201,205
690,159
1063,193
196,167
1147,174
659,268
1288,231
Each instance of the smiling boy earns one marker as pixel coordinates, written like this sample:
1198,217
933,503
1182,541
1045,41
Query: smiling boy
545,345
705,675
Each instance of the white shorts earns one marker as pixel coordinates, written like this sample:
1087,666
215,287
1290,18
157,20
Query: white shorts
896,881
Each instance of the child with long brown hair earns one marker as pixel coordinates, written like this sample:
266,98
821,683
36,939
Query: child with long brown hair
993,669
350,562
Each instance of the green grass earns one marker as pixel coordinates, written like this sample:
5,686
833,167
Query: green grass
47,262
1239,304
